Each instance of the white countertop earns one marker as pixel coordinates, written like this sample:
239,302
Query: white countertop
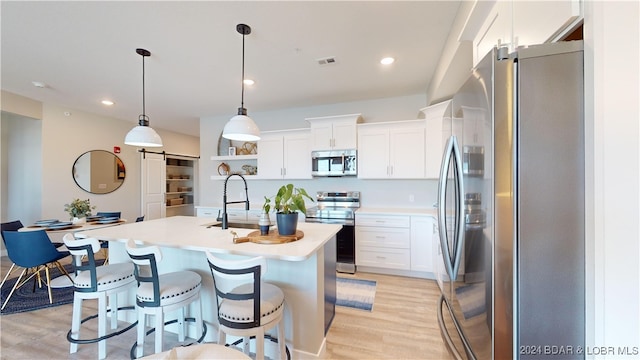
191,233
397,211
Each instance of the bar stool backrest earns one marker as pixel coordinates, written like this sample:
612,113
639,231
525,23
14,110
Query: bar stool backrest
145,260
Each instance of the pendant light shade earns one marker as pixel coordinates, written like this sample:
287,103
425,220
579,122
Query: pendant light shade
241,127
143,135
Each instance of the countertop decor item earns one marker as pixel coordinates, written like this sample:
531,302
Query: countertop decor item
241,127
271,237
143,134
290,199
264,222
79,208
287,203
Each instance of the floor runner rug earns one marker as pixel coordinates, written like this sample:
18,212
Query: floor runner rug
355,293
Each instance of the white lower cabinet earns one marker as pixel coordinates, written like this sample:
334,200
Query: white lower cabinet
400,243
383,241
423,230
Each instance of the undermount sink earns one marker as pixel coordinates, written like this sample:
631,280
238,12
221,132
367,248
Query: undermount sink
238,225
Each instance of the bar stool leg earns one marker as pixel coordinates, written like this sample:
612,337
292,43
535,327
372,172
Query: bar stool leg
282,340
181,324
75,323
260,344
102,325
198,306
159,316
113,304
141,330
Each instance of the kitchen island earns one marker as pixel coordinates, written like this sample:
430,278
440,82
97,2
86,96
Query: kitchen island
304,269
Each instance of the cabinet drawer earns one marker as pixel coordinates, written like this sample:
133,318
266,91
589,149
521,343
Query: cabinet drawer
399,238
207,212
383,220
383,258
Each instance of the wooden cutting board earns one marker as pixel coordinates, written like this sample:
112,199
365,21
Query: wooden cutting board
272,238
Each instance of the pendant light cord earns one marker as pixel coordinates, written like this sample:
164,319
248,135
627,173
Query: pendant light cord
242,94
143,95
143,119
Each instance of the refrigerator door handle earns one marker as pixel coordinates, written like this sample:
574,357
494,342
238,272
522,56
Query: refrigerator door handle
451,256
459,213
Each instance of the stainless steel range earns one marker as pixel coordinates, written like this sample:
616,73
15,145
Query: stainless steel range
339,208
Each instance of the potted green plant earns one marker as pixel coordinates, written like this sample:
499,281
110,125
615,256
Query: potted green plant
79,209
287,203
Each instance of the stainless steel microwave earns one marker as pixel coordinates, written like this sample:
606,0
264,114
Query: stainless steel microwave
334,163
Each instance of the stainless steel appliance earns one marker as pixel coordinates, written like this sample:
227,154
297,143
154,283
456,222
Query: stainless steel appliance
335,207
334,163
512,209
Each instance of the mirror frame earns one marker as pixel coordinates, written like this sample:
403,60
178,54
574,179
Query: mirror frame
119,172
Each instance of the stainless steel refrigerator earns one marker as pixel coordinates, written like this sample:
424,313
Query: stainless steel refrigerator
511,208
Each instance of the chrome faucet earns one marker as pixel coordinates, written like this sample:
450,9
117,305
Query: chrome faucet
224,219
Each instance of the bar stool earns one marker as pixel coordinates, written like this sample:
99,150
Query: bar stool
160,293
96,282
246,305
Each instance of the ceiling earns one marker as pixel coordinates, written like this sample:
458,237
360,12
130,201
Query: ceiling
84,51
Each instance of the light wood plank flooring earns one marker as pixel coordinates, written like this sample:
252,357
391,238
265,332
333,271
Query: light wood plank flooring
402,325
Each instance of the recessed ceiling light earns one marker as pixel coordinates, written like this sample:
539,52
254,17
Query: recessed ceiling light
39,84
248,82
387,61
107,102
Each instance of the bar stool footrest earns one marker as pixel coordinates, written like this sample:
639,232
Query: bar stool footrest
266,336
152,330
110,335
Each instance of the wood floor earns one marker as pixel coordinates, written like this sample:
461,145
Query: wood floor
402,325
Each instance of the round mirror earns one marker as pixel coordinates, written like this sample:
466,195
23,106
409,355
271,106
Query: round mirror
98,172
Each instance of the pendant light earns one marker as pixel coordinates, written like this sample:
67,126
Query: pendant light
241,127
143,135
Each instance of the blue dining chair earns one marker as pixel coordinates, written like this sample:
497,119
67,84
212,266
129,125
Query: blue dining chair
9,226
32,250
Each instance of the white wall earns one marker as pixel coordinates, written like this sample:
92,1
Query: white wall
64,138
612,79
21,168
374,192
39,158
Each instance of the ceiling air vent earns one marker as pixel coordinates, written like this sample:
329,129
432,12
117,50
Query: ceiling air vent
331,60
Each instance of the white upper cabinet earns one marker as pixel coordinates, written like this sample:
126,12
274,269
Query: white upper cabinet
334,132
391,150
284,155
522,23
436,135
537,22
